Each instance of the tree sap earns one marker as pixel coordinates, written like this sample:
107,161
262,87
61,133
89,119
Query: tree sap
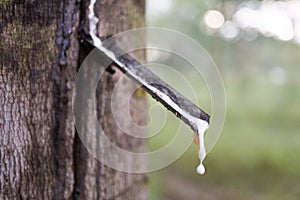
202,126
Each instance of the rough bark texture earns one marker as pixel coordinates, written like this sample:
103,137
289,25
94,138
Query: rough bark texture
41,157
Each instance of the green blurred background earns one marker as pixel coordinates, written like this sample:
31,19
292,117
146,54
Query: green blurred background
255,44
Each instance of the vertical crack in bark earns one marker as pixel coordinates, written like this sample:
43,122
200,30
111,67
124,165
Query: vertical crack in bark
63,76
79,152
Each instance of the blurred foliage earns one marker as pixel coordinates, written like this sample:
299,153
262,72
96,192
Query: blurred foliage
257,155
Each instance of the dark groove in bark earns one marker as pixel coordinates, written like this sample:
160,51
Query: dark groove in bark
77,147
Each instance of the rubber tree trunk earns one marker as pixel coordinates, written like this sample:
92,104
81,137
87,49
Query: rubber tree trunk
41,156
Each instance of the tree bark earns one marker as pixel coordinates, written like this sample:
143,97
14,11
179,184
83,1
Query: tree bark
41,156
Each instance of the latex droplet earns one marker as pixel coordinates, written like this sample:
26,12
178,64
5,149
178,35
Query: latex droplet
201,169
